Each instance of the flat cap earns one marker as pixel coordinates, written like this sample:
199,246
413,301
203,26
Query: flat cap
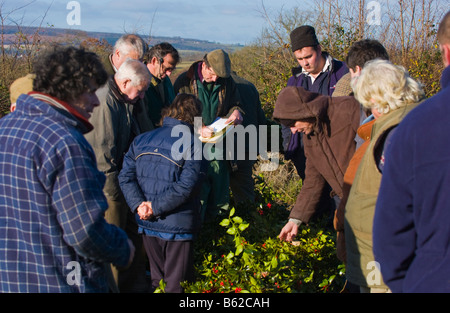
20,86
220,63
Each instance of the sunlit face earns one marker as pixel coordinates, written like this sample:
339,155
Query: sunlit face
131,93
302,127
119,58
164,69
208,74
86,102
167,67
310,59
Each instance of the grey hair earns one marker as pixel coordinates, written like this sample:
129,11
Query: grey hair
131,42
135,71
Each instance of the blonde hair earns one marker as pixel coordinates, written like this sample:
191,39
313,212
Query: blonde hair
385,87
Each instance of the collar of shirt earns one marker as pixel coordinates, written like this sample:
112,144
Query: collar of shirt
87,126
326,67
155,81
199,72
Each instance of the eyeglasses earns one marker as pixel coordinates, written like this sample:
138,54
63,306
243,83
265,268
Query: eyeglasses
165,69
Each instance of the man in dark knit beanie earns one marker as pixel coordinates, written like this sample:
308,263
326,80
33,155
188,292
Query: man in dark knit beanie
303,36
317,72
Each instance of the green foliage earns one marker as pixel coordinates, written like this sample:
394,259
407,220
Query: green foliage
427,68
161,287
268,68
245,255
339,41
5,102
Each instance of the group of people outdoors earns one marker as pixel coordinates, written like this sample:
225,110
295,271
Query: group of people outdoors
92,188
373,139
97,163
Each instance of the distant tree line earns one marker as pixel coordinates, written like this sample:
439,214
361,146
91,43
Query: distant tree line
407,28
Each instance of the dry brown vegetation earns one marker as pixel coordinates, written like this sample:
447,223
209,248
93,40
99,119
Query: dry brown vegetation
407,28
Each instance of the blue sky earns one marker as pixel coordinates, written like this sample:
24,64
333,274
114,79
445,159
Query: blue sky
229,21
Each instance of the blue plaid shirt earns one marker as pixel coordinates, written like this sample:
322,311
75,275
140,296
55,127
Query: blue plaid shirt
53,235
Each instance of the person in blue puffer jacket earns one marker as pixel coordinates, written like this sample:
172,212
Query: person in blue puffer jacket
161,179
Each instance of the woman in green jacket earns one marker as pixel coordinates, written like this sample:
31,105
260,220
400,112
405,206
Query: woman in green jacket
388,91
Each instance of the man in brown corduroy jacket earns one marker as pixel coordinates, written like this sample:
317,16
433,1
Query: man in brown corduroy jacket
329,126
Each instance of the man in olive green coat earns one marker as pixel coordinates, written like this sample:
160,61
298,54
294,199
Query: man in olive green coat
210,80
114,129
128,46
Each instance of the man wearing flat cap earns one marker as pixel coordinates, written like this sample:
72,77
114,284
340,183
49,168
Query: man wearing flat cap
210,80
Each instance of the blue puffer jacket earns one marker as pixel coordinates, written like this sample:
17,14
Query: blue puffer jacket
171,180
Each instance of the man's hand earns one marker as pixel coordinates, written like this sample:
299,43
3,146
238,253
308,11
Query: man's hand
289,231
235,118
145,211
206,132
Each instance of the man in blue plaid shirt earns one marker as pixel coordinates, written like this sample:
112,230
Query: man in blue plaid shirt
53,235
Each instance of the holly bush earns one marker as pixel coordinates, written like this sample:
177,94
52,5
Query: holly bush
240,252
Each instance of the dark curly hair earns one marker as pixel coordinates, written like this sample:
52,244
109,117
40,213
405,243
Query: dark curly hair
185,107
67,72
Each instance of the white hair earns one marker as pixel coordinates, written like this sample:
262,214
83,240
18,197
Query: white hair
385,87
135,71
129,43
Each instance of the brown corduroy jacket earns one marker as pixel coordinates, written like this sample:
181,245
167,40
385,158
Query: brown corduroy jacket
328,149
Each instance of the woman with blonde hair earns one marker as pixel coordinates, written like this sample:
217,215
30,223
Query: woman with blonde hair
390,94
384,87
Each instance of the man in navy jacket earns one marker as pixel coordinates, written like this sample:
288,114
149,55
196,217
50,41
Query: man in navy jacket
317,72
411,226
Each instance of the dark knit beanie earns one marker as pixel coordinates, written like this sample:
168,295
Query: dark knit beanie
303,36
